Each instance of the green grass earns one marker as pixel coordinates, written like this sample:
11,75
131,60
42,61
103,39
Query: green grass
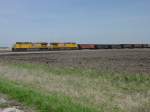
128,82
76,89
42,102
4,105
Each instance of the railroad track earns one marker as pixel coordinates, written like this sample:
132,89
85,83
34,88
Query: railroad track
39,52
35,52
46,52
62,51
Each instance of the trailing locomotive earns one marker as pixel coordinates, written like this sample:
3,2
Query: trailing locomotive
63,46
43,46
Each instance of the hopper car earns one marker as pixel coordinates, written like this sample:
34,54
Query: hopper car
138,45
115,46
44,46
102,46
146,45
87,46
129,46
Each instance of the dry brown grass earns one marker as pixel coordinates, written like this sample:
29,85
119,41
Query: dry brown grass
93,91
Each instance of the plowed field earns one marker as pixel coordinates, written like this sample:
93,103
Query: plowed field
117,60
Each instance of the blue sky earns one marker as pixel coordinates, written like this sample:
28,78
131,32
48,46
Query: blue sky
82,21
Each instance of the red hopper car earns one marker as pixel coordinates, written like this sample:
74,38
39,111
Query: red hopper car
87,46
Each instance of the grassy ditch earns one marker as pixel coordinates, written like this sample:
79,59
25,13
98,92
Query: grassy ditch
75,89
42,102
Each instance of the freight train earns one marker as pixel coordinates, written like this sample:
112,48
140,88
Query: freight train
44,46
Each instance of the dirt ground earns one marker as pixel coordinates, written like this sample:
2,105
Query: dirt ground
6,102
117,60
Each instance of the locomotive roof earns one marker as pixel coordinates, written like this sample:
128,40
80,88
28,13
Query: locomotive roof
62,43
23,42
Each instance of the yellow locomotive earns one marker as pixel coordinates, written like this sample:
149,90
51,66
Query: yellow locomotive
40,46
43,46
29,46
21,46
63,46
